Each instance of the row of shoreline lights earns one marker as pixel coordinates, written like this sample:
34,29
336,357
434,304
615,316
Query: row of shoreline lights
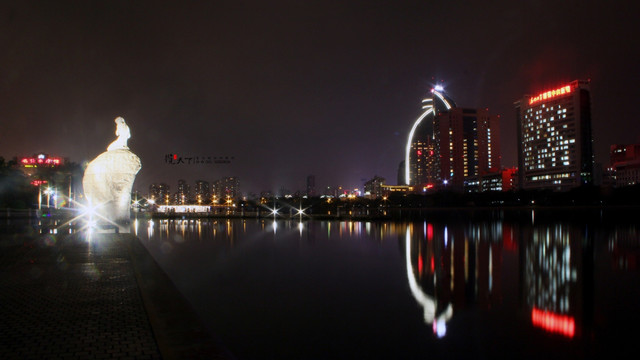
214,200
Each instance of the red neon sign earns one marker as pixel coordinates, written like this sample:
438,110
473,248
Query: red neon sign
38,182
551,94
561,324
53,161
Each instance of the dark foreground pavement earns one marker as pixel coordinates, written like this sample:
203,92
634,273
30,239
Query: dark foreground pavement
62,297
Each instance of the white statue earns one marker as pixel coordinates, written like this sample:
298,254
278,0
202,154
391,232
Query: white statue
108,179
123,134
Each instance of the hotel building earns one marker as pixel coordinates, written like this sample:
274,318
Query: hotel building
555,147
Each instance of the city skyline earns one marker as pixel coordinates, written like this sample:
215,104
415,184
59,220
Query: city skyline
288,89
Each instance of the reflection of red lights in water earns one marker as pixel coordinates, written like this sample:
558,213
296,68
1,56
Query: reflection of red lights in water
507,238
429,232
555,323
420,264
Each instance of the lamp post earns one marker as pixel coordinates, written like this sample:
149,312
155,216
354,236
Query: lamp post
48,192
69,202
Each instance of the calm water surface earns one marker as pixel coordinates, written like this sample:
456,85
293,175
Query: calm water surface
526,284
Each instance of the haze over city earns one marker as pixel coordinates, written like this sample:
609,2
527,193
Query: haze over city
288,88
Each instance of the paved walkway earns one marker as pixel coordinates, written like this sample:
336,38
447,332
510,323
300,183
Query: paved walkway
62,297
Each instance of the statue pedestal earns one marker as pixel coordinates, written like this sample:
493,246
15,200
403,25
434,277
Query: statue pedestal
107,184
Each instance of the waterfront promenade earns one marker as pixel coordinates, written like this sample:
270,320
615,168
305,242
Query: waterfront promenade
65,298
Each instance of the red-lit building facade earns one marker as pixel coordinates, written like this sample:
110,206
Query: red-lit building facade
555,146
503,180
625,163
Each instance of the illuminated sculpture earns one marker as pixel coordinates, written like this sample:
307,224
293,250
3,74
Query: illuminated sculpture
123,134
108,178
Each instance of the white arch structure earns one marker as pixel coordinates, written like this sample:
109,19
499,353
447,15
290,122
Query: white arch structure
429,109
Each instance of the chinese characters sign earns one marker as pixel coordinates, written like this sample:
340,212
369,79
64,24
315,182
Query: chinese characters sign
551,94
175,159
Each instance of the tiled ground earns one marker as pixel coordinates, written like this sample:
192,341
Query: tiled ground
65,298
62,297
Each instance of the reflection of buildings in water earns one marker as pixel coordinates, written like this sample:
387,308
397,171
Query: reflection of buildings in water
379,231
554,284
625,249
452,268
176,231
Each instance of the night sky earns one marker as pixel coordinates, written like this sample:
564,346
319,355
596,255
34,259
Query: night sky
292,88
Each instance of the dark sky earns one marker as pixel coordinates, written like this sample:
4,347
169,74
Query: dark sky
292,88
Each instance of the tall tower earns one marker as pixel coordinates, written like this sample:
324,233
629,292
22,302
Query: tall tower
420,155
555,145
311,186
467,144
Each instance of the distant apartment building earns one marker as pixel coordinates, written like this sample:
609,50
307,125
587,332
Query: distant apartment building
225,189
202,192
555,146
160,193
311,186
182,195
625,164
466,144
373,187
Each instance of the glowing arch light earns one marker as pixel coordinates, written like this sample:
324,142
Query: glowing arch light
429,109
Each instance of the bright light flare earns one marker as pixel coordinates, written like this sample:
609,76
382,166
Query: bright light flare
89,214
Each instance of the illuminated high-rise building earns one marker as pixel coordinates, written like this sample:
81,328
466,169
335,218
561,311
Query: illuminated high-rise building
467,144
182,196
226,188
555,146
159,193
420,162
202,193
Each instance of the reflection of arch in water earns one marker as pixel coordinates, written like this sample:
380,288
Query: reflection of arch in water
427,302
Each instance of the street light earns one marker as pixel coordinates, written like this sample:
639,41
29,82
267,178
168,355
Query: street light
48,192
